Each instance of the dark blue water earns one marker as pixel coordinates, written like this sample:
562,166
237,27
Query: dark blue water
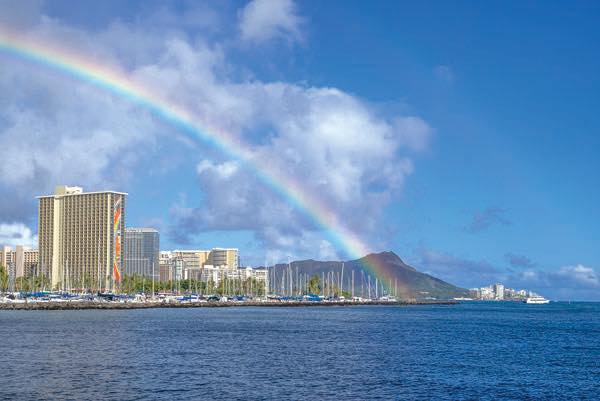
483,351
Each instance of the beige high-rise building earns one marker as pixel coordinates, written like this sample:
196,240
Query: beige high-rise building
7,256
192,258
224,257
26,261
81,236
165,262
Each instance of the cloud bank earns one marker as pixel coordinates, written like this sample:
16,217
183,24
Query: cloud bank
342,149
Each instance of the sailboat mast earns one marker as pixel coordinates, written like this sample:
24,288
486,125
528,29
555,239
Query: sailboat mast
290,277
342,280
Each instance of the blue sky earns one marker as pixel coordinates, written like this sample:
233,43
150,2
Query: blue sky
467,134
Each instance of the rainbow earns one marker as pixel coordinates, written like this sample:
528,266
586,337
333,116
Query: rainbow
118,83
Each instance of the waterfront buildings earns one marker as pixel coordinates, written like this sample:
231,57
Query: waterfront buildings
215,274
498,292
173,263
191,259
207,266
142,252
20,262
198,259
81,235
84,245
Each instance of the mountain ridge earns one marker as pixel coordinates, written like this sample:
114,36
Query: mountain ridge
401,279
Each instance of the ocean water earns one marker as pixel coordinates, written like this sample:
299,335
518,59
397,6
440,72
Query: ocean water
474,351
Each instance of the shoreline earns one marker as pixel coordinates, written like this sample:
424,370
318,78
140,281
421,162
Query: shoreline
32,306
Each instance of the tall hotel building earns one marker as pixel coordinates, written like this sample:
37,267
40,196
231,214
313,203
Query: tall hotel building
142,252
81,235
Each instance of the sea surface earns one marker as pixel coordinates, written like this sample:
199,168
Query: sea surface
474,351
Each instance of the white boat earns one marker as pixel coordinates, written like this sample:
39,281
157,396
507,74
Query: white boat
536,300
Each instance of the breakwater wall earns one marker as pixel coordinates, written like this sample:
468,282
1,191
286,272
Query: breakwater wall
147,305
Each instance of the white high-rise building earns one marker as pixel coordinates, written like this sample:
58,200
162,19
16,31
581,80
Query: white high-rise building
499,291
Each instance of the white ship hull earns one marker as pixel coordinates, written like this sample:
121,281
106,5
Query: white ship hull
537,300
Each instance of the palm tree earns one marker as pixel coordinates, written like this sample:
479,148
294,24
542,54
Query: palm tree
3,279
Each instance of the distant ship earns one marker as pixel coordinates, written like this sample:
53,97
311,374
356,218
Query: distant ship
536,300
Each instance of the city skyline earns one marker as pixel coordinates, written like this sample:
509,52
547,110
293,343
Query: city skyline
459,158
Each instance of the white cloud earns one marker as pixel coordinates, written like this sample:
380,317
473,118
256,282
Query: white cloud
567,282
263,20
223,170
579,275
17,234
58,131
414,132
308,244
341,151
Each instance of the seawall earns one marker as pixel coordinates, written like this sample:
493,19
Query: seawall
146,305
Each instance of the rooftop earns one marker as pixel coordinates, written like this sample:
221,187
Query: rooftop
64,190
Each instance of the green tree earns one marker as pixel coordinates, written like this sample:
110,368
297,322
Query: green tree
22,284
314,284
41,282
3,279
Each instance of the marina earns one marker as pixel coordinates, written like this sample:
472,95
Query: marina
67,301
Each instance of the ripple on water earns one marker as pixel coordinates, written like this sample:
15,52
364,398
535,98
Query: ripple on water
467,351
